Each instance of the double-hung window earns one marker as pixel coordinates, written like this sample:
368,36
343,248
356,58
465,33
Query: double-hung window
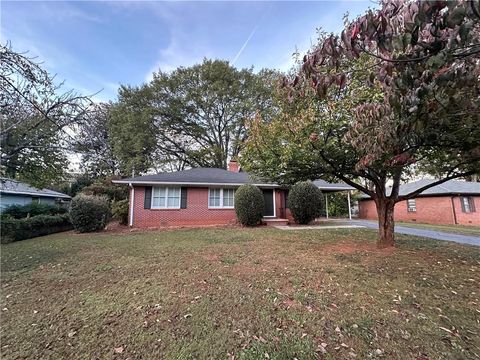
221,198
468,205
166,198
411,205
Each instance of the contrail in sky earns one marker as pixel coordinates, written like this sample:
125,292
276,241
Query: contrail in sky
244,45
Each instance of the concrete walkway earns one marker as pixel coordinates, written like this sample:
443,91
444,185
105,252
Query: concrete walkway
438,235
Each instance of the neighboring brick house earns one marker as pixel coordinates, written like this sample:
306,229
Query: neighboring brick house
452,202
199,196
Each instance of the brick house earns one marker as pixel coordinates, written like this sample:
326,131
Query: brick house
453,202
200,196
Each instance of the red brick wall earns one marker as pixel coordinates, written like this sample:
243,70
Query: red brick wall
472,218
196,213
280,206
430,210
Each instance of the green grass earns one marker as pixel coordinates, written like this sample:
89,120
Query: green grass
454,229
239,293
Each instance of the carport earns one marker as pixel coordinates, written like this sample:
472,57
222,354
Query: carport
328,187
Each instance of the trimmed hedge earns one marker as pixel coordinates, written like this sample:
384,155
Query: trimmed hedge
120,211
305,202
249,205
90,213
19,229
33,209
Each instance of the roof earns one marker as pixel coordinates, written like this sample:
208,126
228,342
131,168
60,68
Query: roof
198,176
215,176
8,186
450,187
326,186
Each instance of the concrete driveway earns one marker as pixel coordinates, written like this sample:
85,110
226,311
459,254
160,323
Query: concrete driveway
439,235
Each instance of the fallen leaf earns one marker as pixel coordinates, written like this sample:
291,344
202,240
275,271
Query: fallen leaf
118,350
445,329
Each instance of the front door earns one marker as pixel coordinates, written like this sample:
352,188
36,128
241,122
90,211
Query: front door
268,198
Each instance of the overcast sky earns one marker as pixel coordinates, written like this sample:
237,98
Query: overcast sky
96,46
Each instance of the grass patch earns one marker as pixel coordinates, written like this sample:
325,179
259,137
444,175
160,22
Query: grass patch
454,229
246,294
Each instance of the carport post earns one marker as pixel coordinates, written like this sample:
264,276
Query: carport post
326,204
349,207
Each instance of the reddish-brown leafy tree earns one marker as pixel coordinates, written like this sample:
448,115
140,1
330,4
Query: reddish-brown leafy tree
423,57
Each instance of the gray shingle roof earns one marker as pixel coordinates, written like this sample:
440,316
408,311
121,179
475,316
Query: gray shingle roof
212,176
8,186
450,187
203,176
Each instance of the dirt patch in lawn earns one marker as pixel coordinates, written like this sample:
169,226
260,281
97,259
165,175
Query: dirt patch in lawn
354,247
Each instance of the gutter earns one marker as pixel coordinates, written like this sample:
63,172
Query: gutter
61,196
189,183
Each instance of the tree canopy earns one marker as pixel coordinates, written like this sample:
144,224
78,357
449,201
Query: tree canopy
37,120
193,116
399,86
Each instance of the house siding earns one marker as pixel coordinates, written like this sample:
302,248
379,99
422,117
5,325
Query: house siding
10,199
430,210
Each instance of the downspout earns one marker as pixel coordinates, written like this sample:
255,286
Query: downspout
454,213
132,204
349,206
326,204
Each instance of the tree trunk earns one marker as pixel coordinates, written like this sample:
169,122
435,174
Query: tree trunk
386,223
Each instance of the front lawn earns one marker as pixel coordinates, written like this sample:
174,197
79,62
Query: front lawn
239,294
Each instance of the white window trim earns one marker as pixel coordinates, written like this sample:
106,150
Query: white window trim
466,201
166,198
412,209
221,199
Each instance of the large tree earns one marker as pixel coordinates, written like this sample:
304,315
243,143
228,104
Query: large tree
132,132
94,143
195,114
37,120
424,60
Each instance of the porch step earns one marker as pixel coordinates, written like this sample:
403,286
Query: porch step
275,222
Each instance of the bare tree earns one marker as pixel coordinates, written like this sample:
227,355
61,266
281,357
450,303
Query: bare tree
38,120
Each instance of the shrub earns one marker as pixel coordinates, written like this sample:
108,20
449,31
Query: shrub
89,213
249,205
19,229
337,205
33,209
120,211
106,188
305,201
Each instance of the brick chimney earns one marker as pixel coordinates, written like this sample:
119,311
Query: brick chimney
234,166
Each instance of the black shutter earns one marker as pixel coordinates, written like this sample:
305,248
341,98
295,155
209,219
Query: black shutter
472,204
148,198
183,198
